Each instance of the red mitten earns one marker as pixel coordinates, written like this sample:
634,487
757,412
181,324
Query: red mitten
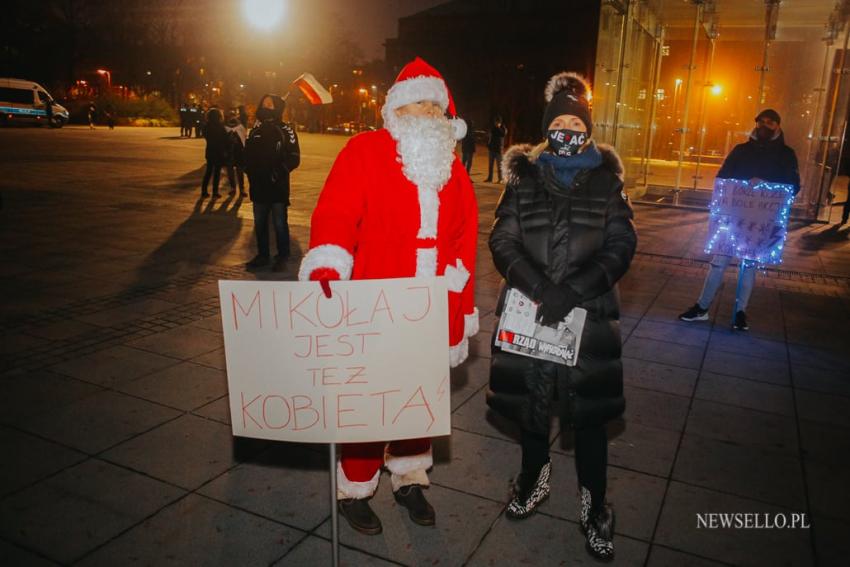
324,276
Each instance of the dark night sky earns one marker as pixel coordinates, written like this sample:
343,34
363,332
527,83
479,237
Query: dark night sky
373,21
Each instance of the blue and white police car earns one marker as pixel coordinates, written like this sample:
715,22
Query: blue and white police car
24,101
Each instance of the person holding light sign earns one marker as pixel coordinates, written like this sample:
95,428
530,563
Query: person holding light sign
563,237
764,157
396,204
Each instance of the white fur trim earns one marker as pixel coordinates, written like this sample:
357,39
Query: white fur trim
459,128
349,489
426,262
429,212
459,353
415,90
327,256
456,277
419,477
470,323
408,463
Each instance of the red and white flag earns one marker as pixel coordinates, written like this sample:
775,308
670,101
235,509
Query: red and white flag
312,90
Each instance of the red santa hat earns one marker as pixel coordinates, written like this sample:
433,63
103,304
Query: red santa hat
418,81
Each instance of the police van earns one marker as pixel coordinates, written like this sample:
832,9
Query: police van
26,102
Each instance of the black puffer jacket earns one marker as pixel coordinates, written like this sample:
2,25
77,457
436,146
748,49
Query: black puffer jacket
770,160
581,236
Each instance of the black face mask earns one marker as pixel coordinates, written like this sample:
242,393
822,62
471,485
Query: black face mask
763,133
264,114
565,142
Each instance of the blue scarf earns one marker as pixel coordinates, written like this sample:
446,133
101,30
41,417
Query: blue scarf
566,168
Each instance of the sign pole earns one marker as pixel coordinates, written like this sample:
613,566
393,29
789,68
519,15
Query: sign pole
334,511
339,367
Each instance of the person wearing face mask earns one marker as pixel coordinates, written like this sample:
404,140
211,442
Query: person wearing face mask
763,157
397,203
564,236
271,153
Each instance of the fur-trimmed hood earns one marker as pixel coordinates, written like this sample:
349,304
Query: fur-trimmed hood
519,160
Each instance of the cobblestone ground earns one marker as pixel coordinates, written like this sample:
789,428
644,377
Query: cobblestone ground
114,416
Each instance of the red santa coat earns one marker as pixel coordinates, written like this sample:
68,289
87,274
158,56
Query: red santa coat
371,222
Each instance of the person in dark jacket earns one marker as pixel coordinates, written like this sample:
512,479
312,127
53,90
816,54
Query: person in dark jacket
495,145
238,134
217,152
764,157
563,237
48,111
185,128
467,146
200,120
194,116
271,154
91,114
109,114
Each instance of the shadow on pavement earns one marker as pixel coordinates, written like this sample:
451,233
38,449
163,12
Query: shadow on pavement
833,237
192,179
205,235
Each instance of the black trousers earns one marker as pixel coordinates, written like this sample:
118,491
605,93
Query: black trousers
214,170
239,173
591,450
494,158
467,161
280,220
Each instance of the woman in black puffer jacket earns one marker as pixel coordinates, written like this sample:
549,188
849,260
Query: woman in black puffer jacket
563,236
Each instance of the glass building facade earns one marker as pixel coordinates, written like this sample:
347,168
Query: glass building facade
678,84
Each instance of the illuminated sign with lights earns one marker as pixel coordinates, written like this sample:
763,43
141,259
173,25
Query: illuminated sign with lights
749,221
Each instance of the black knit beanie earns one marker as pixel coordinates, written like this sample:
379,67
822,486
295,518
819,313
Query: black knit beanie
567,93
769,113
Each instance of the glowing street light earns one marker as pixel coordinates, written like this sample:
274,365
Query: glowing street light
108,77
263,14
716,89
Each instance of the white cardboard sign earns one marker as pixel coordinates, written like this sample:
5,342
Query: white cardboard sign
749,221
369,364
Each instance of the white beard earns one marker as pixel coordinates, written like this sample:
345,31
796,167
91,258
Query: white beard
425,147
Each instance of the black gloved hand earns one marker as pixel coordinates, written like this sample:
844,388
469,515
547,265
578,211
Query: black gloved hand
556,301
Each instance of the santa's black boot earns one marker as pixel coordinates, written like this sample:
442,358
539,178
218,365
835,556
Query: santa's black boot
360,515
597,522
418,508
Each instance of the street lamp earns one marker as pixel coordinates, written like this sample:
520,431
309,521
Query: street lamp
108,77
263,14
360,104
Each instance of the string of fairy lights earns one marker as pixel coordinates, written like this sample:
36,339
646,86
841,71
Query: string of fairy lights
726,227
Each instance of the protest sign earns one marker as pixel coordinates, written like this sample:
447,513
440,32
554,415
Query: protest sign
520,333
371,363
749,221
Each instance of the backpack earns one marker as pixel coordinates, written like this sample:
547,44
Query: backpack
263,149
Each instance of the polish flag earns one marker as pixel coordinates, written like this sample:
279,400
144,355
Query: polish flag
313,91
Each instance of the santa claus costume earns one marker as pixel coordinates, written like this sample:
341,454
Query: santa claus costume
396,204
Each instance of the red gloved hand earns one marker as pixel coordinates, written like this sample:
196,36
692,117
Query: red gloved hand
324,276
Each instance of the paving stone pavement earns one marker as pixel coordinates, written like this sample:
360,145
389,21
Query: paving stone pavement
113,402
